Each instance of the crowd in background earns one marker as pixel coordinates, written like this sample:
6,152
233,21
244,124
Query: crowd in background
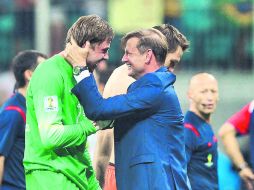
220,31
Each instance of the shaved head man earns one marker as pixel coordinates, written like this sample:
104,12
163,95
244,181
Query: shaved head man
203,95
200,141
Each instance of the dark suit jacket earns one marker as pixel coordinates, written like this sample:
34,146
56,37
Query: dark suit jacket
149,132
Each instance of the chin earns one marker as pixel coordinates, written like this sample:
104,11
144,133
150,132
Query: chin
130,74
208,112
171,69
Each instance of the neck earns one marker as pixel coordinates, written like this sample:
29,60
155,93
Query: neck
153,68
22,91
204,116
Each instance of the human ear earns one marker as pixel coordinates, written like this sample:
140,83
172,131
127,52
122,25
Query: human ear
189,94
149,55
28,74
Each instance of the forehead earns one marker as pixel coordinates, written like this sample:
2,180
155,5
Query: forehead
105,44
204,83
131,43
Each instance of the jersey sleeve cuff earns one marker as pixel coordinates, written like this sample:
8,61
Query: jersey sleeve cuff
88,127
82,75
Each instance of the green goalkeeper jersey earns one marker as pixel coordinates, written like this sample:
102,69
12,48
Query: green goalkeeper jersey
57,129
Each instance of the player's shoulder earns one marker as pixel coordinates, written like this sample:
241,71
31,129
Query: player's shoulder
121,69
191,129
251,106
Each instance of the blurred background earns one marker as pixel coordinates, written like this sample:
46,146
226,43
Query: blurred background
220,34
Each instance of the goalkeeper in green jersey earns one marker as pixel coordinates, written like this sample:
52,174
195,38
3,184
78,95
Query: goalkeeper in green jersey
56,156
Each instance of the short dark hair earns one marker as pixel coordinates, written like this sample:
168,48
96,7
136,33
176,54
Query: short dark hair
149,39
174,37
24,60
90,28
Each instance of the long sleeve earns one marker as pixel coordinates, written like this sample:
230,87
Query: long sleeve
10,125
51,105
140,99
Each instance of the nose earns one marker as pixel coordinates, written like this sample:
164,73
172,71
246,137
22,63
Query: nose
124,58
211,96
106,56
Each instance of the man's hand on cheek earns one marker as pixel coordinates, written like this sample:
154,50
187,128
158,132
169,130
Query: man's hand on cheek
76,55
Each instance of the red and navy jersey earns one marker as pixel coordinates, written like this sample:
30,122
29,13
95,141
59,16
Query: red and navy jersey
12,141
241,120
201,153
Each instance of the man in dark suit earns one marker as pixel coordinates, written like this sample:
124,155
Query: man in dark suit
149,133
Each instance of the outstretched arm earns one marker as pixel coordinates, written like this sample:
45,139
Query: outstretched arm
232,148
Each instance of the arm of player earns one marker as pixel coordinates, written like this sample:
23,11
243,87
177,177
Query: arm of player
77,57
98,108
49,110
227,134
103,152
1,169
10,126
